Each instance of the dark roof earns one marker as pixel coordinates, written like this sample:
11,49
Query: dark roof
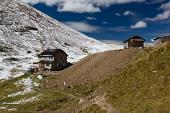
166,36
52,52
135,37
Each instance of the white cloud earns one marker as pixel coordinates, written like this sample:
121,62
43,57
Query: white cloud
118,14
110,2
81,6
83,26
138,25
166,6
104,22
128,13
91,18
47,2
155,1
162,16
78,7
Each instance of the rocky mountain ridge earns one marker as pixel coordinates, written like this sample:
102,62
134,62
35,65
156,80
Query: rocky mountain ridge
25,32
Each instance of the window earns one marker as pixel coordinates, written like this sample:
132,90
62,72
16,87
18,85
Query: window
47,64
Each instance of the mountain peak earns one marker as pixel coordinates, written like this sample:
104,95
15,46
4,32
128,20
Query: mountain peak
23,29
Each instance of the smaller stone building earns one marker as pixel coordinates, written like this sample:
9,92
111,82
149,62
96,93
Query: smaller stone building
161,39
134,41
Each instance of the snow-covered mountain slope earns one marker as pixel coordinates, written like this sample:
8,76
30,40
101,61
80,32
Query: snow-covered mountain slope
114,44
25,32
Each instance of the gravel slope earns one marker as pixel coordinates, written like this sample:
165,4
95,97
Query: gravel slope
95,67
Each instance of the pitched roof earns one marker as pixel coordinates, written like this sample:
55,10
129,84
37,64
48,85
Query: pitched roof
138,38
156,38
52,52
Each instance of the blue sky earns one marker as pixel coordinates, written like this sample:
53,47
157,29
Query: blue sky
110,19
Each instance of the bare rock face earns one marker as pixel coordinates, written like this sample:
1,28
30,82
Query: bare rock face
23,29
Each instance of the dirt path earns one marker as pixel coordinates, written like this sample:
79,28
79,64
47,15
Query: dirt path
67,94
101,102
95,67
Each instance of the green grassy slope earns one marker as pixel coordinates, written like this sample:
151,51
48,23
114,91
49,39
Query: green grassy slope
143,87
9,87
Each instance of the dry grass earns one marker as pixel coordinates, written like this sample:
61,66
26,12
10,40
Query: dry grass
145,86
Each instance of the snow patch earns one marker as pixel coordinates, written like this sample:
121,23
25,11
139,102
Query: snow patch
27,86
40,77
2,108
9,109
23,100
